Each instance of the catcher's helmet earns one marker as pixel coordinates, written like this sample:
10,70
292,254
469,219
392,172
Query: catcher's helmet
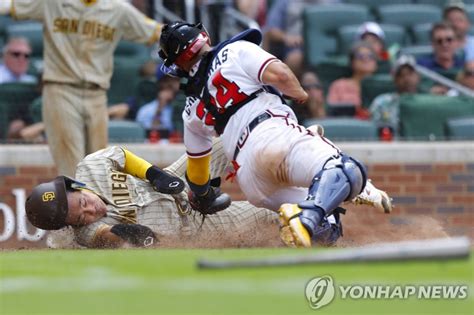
47,207
181,41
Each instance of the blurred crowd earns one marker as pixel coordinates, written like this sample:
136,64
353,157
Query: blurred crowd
157,102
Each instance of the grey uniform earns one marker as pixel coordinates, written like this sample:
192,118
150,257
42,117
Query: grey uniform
80,37
132,200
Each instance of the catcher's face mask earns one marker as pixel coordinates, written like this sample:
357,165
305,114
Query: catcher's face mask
180,42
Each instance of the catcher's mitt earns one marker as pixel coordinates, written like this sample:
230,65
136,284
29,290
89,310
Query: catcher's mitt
213,201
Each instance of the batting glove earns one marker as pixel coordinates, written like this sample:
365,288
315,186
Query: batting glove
136,234
164,182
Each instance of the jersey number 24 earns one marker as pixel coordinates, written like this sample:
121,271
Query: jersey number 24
228,93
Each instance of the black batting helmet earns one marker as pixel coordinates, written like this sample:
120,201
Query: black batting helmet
47,207
181,41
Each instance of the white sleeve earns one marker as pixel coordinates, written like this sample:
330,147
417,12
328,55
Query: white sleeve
5,7
254,60
197,134
137,27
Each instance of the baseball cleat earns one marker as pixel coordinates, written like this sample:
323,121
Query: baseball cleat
292,231
374,197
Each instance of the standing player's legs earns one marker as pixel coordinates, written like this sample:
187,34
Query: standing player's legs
64,125
284,155
96,119
331,180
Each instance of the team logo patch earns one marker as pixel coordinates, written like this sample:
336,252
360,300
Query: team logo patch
89,2
48,196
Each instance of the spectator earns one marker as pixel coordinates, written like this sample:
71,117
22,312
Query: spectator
79,39
28,125
129,108
158,114
373,34
363,62
455,14
466,76
385,107
314,106
16,61
284,28
254,9
444,57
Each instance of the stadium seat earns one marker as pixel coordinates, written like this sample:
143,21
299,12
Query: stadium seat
35,110
124,79
439,3
470,12
423,116
132,50
460,128
407,15
374,86
320,25
3,122
417,51
15,99
146,91
346,129
347,35
125,131
32,31
374,4
328,71
178,107
4,21
421,34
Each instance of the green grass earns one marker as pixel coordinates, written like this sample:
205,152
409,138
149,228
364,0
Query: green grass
165,281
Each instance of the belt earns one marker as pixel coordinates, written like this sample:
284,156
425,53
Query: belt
80,85
251,126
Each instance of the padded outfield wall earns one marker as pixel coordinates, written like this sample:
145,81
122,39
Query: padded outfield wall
428,180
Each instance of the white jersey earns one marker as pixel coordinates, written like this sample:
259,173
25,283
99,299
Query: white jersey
278,159
80,36
235,74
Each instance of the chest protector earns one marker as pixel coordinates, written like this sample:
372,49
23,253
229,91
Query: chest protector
197,85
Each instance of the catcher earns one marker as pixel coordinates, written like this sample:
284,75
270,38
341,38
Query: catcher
234,90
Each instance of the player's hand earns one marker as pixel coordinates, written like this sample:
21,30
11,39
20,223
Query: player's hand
163,182
213,201
135,234
293,40
301,98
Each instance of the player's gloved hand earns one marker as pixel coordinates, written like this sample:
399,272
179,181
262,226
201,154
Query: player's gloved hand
164,182
207,198
211,202
136,234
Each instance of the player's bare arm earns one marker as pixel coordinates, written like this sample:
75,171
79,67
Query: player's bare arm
280,76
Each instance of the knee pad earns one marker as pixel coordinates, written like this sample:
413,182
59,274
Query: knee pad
341,179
